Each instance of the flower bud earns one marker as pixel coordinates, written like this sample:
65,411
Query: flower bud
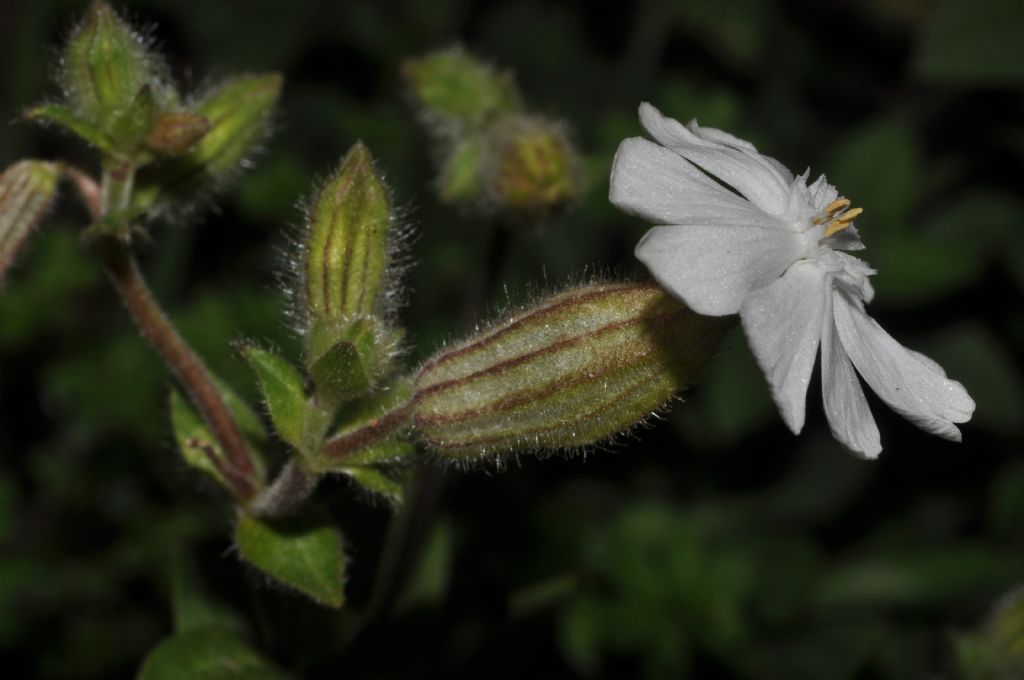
573,370
174,133
460,179
530,166
238,112
457,90
105,65
27,190
347,242
345,279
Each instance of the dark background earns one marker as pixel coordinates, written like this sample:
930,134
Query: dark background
714,544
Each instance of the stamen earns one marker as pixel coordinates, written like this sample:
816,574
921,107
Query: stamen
838,221
849,215
834,227
837,205
831,209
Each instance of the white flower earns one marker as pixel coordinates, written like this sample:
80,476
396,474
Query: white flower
745,236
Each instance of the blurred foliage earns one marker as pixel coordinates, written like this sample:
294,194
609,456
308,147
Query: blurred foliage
714,544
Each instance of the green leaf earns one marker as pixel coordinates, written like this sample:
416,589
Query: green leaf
207,654
377,483
916,577
385,452
194,609
973,43
247,419
429,583
283,393
304,553
55,114
197,444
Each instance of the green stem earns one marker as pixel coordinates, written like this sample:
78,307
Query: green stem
117,186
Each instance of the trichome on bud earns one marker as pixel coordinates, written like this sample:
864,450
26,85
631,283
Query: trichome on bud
346,273
27,190
570,371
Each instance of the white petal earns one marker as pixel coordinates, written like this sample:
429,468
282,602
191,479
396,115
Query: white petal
847,410
821,192
783,323
712,268
756,177
656,184
910,386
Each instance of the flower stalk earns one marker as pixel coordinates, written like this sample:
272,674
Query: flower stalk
104,200
182,361
373,431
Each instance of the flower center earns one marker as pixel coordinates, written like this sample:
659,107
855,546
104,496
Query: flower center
837,216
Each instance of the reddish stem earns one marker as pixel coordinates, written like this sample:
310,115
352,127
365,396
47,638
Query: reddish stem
189,370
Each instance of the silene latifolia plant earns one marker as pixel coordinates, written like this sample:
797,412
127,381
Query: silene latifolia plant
568,371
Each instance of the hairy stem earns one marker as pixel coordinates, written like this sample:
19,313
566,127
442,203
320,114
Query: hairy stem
106,199
183,363
293,485
116,189
372,432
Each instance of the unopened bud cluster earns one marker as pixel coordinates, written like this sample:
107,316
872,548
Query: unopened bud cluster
495,154
568,372
119,98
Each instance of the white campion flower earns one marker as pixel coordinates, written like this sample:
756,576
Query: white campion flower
767,245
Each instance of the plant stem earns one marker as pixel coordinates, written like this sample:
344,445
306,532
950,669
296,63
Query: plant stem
375,430
112,196
183,363
116,188
408,531
293,485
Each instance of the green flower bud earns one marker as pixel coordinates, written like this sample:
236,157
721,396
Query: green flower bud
105,65
173,134
130,127
456,90
530,166
27,190
347,242
461,175
345,280
238,114
573,370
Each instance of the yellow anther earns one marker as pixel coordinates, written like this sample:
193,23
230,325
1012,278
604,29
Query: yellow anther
831,209
842,221
849,215
834,227
837,205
